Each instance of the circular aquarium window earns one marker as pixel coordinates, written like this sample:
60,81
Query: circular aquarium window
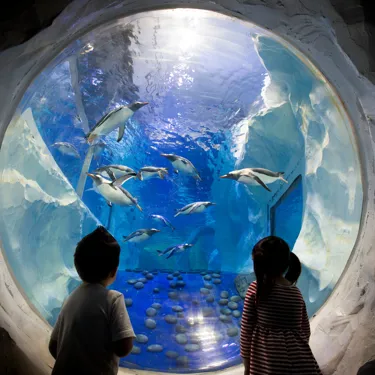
189,135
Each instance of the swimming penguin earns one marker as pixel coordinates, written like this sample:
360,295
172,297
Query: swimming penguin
174,250
183,165
115,171
194,208
114,119
66,149
113,194
255,176
164,220
146,173
140,235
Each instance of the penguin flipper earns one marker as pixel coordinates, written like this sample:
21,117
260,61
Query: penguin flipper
170,254
110,174
161,175
260,182
121,180
139,207
121,131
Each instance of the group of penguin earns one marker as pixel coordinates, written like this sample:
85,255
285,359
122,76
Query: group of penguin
108,180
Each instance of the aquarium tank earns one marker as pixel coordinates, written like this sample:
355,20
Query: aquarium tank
189,135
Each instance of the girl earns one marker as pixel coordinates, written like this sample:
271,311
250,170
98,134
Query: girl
275,328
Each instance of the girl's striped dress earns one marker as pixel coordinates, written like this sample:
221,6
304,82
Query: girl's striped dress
275,333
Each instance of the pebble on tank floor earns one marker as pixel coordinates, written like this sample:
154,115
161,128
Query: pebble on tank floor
177,316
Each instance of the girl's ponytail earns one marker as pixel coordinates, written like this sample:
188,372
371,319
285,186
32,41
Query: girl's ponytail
264,284
294,270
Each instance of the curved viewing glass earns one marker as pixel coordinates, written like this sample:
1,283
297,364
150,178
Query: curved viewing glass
222,96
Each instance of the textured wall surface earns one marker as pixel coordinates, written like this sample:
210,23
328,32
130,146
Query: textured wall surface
343,330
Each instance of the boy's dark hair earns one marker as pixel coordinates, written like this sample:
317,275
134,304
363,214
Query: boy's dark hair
96,256
272,257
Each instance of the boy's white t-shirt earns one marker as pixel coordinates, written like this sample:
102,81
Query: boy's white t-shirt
91,319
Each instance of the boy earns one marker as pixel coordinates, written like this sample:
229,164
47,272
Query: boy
93,329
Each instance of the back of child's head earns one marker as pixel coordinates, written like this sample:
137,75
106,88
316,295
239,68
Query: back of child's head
272,258
96,256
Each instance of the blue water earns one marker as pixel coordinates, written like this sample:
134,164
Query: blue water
206,78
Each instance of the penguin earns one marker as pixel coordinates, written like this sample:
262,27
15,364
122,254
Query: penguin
140,235
146,173
255,176
174,250
114,119
115,171
164,220
113,194
194,208
66,149
183,165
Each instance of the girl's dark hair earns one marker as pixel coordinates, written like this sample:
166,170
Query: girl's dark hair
272,257
96,256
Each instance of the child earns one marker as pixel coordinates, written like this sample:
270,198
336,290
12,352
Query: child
93,329
275,328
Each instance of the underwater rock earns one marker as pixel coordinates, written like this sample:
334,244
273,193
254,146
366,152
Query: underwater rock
138,285
232,331
173,284
145,272
180,315
156,290
235,298
225,318
208,286
236,313
169,277
173,295
181,283
208,312
195,302
210,299
132,281
181,339
128,302
225,311
175,274
224,294
223,302
150,323
192,347
218,336
204,291
182,361
207,277
136,350
156,306
195,338
203,273
142,339
216,275
217,281
143,280
171,319
180,328
171,354
180,277
151,312
155,348
177,308
233,305
149,276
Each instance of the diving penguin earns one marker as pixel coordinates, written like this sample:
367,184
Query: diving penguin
113,194
174,250
194,208
116,118
66,149
140,235
183,165
255,176
163,220
146,173
114,171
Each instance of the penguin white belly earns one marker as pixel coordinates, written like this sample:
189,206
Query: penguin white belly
141,238
114,121
182,167
115,196
199,209
266,179
247,180
148,175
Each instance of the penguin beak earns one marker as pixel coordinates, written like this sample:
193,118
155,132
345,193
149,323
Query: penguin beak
226,176
91,175
142,104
